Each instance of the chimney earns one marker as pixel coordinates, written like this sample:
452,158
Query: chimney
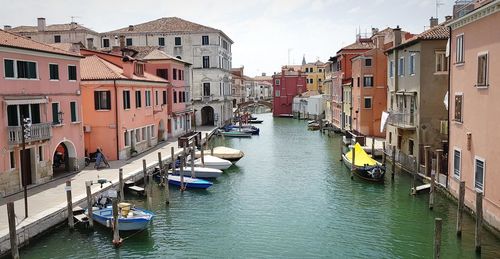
73,25
131,27
374,31
397,36
448,17
128,66
7,27
433,22
122,41
41,24
264,74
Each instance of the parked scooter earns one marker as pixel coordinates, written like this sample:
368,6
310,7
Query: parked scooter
97,157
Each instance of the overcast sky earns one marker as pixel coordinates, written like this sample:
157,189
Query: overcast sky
266,32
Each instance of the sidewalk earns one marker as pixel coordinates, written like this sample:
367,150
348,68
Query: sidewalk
47,208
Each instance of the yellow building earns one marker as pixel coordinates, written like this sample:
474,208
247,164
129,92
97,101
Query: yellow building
315,75
347,109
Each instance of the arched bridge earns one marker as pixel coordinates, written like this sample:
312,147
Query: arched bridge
252,103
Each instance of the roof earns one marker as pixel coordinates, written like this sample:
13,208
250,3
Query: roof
9,39
52,28
438,32
96,68
161,55
359,45
167,25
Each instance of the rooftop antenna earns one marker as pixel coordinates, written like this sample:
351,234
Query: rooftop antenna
73,18
289,51
438,4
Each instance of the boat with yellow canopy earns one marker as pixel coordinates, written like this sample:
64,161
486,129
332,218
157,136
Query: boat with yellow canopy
365,167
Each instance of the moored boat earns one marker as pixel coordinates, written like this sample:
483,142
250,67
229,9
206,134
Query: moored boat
213,162
236,134
227,153
255,121
365,167
192,183
130,218
200,172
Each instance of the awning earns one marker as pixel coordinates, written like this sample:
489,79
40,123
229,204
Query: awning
24,100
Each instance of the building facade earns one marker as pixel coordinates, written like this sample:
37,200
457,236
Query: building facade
207,49
287,85
315,75
473,105
41,83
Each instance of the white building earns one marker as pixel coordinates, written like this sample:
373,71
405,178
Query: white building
308,106
208,49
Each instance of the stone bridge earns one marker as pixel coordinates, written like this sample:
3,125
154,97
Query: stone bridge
241,106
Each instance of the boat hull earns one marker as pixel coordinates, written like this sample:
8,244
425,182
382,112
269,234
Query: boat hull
368,173
192,183
214,162
236,134
105,215
200,172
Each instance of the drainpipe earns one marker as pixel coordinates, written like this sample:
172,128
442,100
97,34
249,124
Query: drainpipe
449,97
116,119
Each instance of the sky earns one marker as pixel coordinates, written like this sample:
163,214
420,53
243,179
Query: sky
266,33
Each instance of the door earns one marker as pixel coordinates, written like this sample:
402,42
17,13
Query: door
26,167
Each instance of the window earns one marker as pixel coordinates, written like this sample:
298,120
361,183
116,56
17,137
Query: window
128,42
55,114
12,160
74,111
457,156
368,102
144,133
164,97
178,41
368,62
441,62
163,73
458,107
390,137
179,74
54,72
8,68
148,98
482,70
72,72
224,44
460,49
175,96
138,135
174,73
57,38
40,153
277,82
175,123
410,147
26,69
411,64
311,70
102,100
161,41
138,99
105,43
182,74
479,175
277,93
139,69
391,68
367,81
206,61
206,89
204,40
126,99
401,67
126,138
156,97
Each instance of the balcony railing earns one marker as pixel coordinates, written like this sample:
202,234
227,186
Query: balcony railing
40,131
404,120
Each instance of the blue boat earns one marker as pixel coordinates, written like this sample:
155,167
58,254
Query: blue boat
130,218
193,183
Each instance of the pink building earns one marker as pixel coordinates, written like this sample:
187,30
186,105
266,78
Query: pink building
474,108
125,109
177,72
286,85
42,83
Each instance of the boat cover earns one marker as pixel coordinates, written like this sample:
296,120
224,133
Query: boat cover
362,158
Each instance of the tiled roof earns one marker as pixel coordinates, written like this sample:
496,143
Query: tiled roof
51,28
439,32
360,45
13,40
158,54
96,68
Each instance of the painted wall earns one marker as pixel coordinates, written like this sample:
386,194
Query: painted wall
290,85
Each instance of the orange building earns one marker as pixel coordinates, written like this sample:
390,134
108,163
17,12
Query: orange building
122,114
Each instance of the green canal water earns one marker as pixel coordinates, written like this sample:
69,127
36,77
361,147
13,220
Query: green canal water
289,197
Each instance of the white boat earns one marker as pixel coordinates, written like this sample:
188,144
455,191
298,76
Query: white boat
193,183
199,172
213,162
227,153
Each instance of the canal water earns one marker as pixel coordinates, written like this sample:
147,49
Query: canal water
289,197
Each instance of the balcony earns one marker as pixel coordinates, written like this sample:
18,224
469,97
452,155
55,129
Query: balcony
402,120
39,132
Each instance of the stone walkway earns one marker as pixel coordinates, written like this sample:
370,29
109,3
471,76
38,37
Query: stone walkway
47,203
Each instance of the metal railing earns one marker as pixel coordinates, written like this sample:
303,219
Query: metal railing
402,119
40,131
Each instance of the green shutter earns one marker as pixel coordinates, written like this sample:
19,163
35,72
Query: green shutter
32,70
35,113
55,113
9,68
12,116
96,100
73,111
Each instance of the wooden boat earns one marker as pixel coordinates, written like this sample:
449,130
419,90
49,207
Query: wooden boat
313,126
200,172
213,162
255,121
227,153
236,134
365,167
192,183
130,218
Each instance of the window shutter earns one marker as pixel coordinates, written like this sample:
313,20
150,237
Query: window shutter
9,68
55,113
31,70
108,100
73,111
96,100
458,108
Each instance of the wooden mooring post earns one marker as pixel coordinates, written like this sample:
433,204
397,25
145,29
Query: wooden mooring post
160,165
11,214
192,161
383,154
150,189
460,211
438,229
341,149
181,172
145,174
439,163
373,147
393,166
479,220
427,160
431,191
117,241
71,222
353,165
120,186
89,203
